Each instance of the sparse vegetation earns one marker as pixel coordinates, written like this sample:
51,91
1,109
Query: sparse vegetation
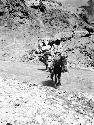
34,24
26,94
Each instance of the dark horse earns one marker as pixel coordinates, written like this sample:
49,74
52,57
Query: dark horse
56,67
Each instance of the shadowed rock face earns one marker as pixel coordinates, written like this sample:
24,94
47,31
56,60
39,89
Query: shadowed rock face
90,10
23,23
41,17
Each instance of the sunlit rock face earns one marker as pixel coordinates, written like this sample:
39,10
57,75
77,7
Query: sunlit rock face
76,3
24,22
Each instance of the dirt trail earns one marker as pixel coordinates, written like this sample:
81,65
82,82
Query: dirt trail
23,103
22,71
75,79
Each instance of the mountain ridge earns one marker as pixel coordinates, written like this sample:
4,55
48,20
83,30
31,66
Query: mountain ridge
44,19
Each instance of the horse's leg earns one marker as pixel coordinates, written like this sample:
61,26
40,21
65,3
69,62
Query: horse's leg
59,76
51,73
46,67
59,81
52,76
55,78
55,81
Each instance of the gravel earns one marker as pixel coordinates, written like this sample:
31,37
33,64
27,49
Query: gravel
21,104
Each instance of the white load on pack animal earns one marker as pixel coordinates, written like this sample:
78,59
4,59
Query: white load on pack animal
46,48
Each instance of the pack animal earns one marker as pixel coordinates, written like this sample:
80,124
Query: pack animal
44,59
56,67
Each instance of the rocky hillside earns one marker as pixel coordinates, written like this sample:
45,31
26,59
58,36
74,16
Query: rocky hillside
23,23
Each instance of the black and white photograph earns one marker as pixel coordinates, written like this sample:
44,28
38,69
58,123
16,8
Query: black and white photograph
46,62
